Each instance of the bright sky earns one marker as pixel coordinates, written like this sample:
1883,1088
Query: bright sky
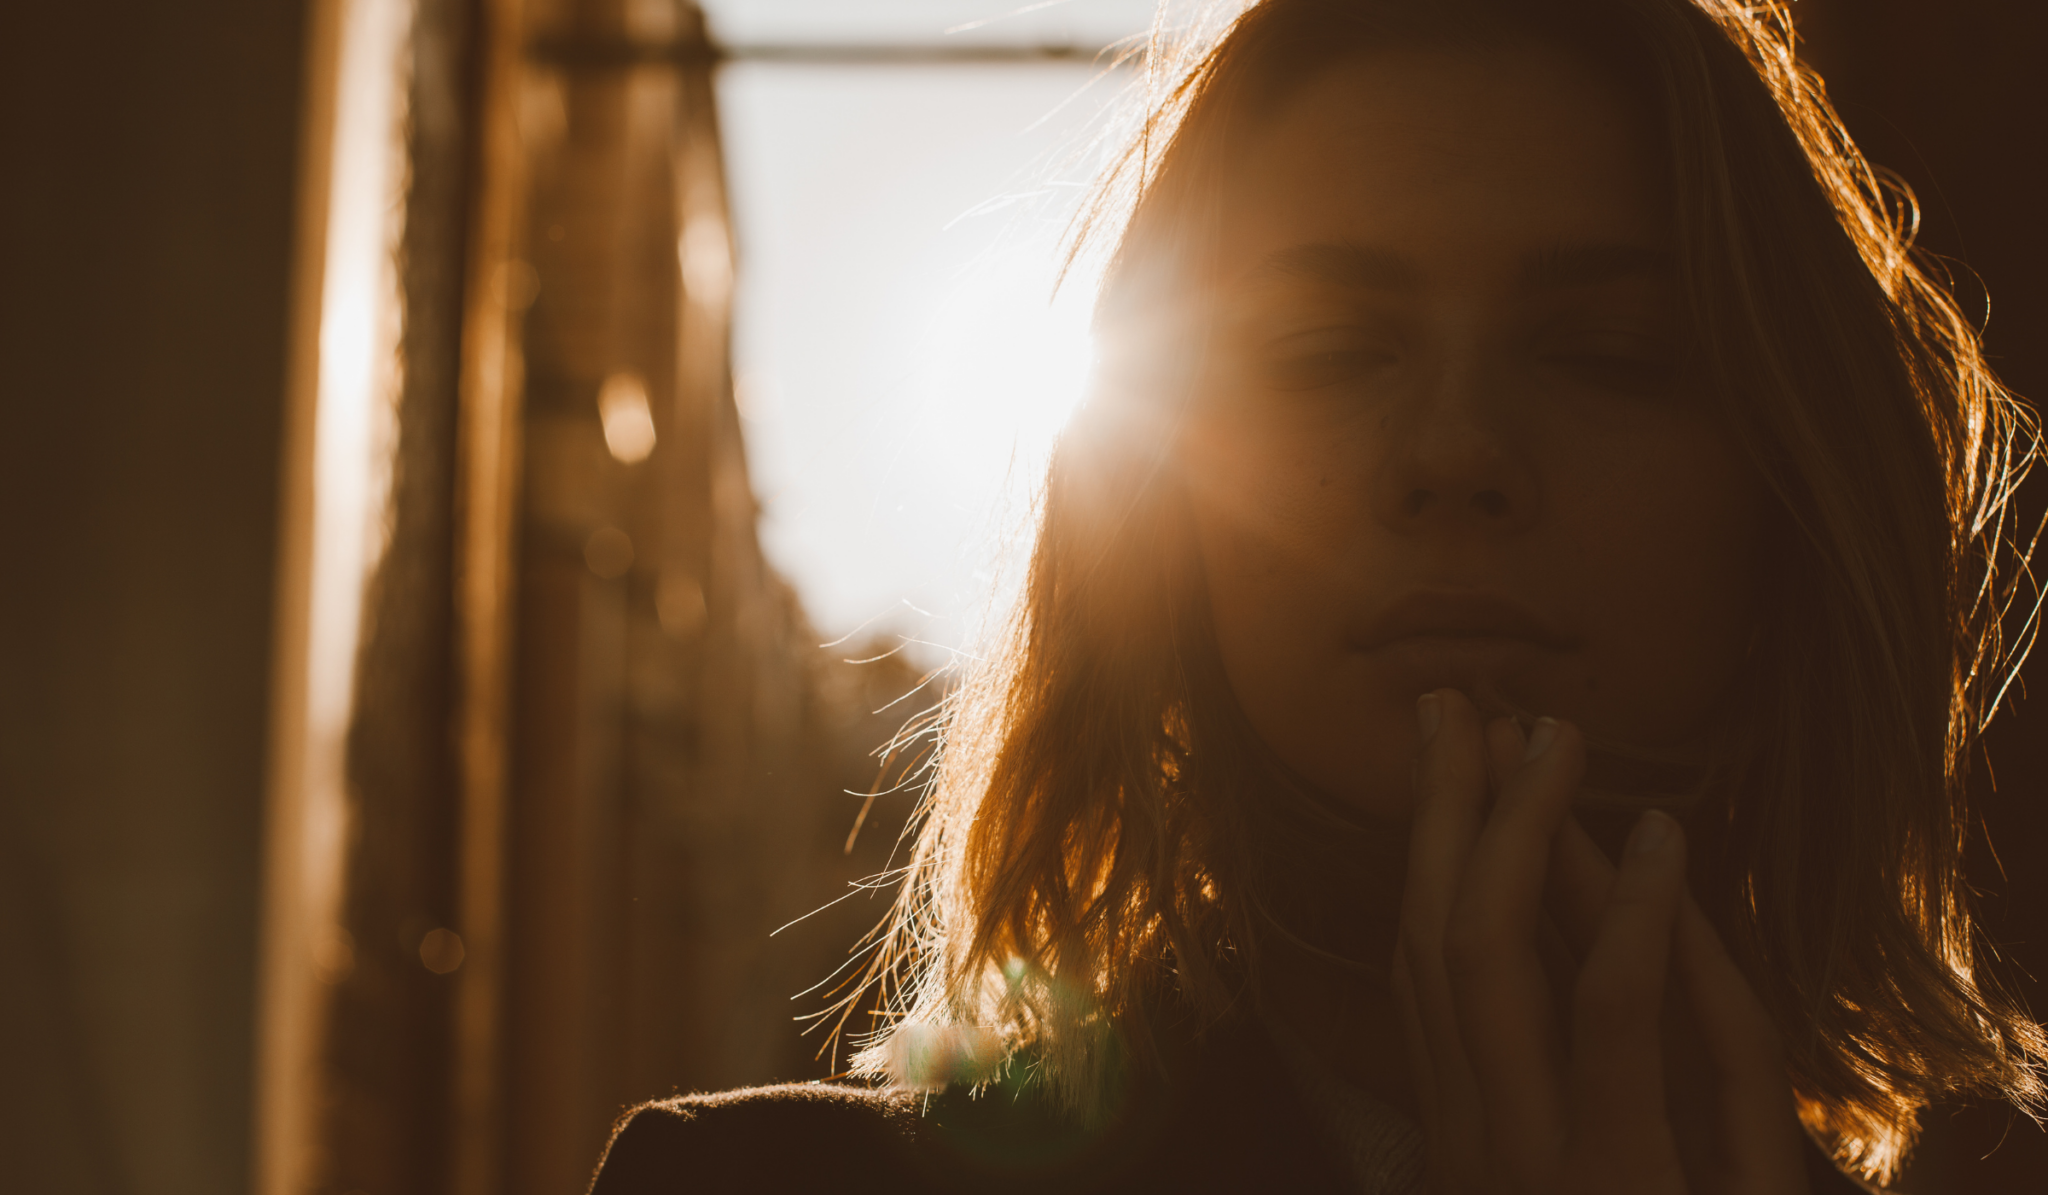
901,364
928,22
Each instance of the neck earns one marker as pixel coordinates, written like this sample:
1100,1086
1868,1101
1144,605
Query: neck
1331,916
1346,1018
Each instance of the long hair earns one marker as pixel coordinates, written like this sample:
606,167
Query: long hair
1103,837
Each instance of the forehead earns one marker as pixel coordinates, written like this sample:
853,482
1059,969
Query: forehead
1455,159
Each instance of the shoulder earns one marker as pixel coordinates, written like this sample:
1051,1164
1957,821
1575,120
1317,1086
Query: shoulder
793,1136
1229,1123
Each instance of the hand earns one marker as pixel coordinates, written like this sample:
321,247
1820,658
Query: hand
1554,1080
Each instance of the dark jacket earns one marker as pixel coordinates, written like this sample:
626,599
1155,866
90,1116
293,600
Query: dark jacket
1238,1128
1241,1129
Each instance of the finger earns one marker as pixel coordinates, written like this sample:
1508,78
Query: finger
1452,1133
1617,1066
1450,790
1505,747
1402,984
1575,895
1505,1010
1581,879
1763,1149
1510,861
1450,793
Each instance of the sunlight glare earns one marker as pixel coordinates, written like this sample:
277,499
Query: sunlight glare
1008,363
902,363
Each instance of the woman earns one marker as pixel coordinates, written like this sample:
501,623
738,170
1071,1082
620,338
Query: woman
1488,706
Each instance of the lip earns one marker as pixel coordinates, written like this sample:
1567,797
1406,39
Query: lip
1455,614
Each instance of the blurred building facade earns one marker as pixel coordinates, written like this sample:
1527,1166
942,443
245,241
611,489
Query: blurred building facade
596,755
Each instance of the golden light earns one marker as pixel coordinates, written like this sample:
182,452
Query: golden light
340,441
705,251
628,421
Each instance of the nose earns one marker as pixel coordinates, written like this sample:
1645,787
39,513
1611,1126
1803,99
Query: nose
1452,466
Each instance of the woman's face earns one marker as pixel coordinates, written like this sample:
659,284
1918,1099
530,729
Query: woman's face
1444,438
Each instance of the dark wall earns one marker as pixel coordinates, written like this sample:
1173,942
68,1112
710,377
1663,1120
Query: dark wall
1951,95
147,156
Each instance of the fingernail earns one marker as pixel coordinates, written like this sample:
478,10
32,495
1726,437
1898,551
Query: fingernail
1651,830
1428,716
1540,738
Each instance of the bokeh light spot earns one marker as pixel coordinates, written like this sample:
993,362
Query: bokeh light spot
441,951
628,420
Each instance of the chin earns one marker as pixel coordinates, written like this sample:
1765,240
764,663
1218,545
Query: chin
1499,674
1354,736
1356,748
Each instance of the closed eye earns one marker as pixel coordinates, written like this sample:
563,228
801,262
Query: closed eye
1320,360
1617,363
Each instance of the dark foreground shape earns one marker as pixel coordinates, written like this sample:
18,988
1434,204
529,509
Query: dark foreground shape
1228,1120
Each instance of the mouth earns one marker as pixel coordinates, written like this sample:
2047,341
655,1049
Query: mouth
1484,645
1455,617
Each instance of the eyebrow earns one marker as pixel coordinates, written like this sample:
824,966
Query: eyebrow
1562,266
1558,267
1357,267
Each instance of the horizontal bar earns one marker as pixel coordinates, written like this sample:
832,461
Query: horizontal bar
612,54
829,54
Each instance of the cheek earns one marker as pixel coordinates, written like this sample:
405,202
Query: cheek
1280,527
1276,520
1269,491
1663,557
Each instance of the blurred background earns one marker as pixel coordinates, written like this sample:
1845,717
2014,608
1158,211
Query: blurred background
481,479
